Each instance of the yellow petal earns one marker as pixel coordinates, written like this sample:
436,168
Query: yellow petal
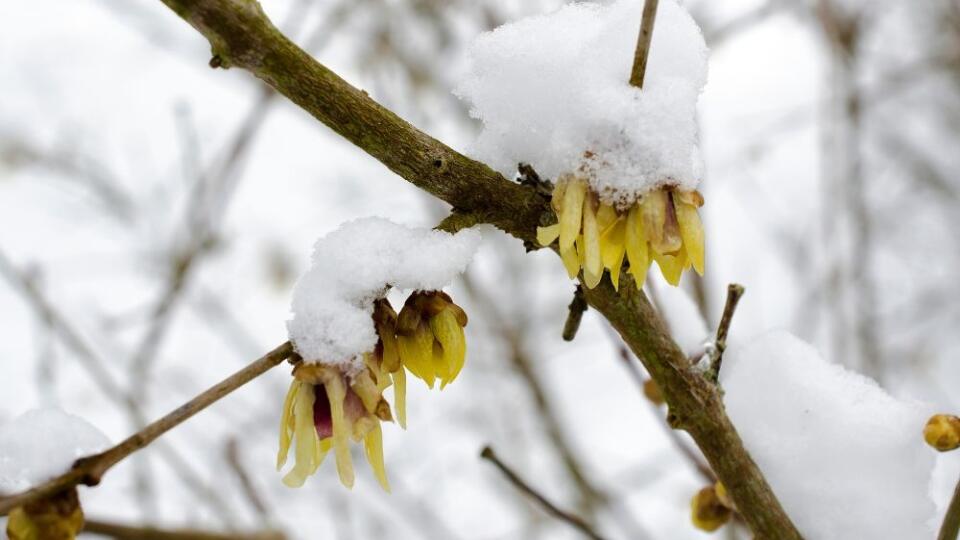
558,193
636,246
671,266
373,445
416,353
606,215
659,222
450,335
571,261
612,249
287,423
591,279
391,358
367,390
592,262
400,396
547,235
342,430
306,438
571,215
20,526
440,367
691,229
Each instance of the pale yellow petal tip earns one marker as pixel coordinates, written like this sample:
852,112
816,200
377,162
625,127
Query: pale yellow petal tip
548,235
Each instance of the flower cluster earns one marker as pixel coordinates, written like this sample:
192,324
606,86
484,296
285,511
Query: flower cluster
327,407
662,226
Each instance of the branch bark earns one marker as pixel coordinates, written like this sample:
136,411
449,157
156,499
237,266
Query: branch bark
241,35
127,532
89,470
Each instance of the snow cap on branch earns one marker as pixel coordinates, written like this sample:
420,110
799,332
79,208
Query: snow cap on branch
846,459
354,265
42,443
551,88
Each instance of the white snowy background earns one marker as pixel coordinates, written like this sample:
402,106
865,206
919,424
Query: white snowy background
113,132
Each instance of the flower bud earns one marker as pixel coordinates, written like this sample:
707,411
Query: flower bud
652,392
707,511
943,432
58,516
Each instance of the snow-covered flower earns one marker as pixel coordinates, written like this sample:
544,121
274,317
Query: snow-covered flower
327,409
662,225
354,345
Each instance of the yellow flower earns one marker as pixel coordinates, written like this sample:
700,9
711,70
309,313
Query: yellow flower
325,409
58,516
662,226
430,337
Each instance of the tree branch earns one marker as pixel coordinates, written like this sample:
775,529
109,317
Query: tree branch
127,532
488,454
734,293
241,35
642,53
951,521
89,470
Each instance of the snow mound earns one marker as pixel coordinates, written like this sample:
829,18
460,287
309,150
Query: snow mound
42,443
551,87
354,265
846,459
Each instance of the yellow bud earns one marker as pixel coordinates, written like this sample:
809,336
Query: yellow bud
724,496
652,392
58,516
943,432
707,511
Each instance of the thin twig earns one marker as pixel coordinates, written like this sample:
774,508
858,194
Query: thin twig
129,532
89,470
734,293
488,454
232,453
576,309
642,54
951,521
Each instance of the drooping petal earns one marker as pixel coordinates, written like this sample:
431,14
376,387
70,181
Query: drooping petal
450,335
367,390
439,362
400,396
653,210
592,264
636,246
606,215
571,261
287,424
342,429
305,436
691,229
547,235
671,266
373,446
416,353
613,248
571,215
391,357
558,193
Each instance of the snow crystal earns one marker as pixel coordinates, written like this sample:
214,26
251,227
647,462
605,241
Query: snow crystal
351,267
552,87
42,443
846,459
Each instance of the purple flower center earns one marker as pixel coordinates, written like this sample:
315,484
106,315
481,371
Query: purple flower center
322,418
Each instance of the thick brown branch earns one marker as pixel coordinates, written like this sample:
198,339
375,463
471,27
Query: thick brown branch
241,35
951,521
551,508
128,532
89,470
